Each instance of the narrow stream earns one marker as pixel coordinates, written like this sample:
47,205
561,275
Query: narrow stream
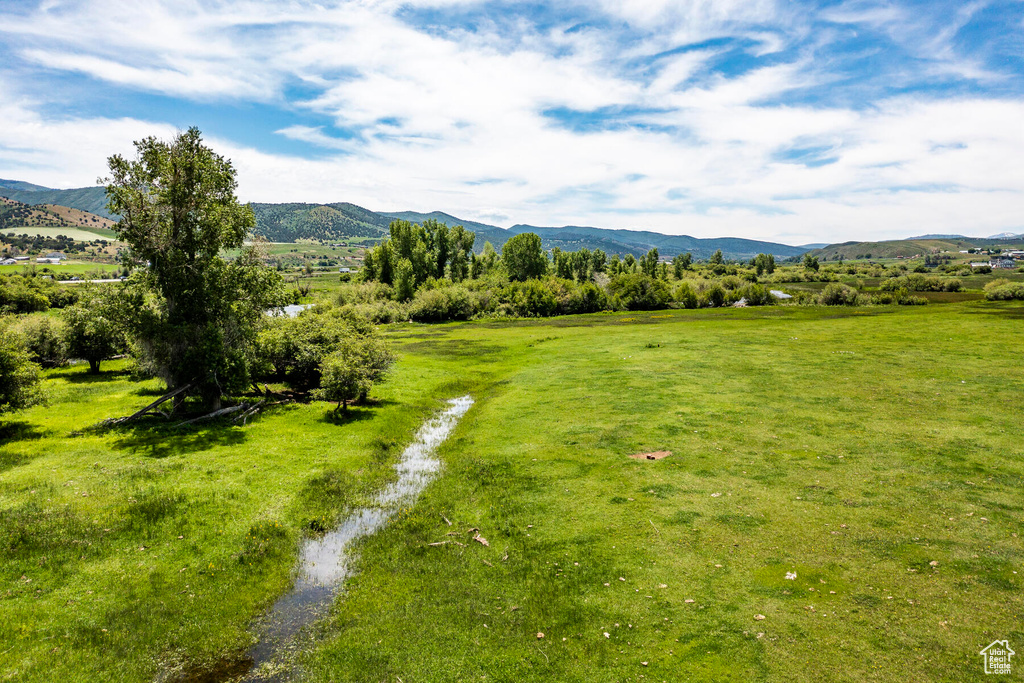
324,561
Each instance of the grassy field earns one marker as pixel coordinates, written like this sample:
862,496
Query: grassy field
66,268
875,454
77,234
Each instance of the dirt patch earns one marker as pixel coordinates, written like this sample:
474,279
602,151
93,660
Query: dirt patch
656,455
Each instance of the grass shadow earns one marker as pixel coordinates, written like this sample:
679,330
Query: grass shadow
19,431
159,441
90,378
344,417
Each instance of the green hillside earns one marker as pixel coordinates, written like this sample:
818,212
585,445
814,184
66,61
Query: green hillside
325,222
90,199
911,248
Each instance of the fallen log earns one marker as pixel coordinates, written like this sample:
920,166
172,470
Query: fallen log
113,422
216,413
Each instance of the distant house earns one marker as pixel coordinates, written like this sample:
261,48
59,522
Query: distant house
979,264
47,259
8,262
343,269
55,255
1003,263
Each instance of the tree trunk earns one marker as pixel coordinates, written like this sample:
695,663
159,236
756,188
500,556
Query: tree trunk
94,367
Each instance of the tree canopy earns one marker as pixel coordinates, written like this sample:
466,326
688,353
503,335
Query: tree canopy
524,257
194,315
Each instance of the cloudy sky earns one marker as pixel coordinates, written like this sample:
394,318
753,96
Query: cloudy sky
790,121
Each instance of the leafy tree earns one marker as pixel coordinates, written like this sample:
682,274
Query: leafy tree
91,329
716,258
524,257
19,377
44,339
811,262
598,260
681,263
199,314
763,263
352,370
487,261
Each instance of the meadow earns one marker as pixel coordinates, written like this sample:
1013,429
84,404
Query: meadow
842,501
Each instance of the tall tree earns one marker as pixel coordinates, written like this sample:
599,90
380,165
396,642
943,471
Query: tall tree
198,314
524,257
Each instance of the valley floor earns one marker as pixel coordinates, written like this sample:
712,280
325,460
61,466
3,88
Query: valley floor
842,501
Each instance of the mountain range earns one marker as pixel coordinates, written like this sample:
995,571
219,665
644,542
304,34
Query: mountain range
289,222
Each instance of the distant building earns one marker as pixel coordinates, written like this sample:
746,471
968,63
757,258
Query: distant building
55,255
1003,263
343,269
46,259
8,262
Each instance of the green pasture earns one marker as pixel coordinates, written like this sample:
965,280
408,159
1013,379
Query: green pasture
77,234
874,454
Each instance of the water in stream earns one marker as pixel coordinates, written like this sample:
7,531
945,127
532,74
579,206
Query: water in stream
324,560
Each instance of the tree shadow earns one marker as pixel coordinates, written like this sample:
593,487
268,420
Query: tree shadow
12,432
355,412
18,430
160,441
94,378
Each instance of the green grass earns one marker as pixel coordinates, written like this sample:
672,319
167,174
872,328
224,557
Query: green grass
852,446
65,268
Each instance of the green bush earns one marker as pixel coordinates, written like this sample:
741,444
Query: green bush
19,377
529,299
438,305
45,340
836,294
1004,290
758,295
921,283
637,292
686,295
712,296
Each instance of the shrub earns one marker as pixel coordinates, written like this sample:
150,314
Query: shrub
758,295
19,377
45,341
636,292
529,299
438,305
585,298
686,295
712,297
836,294
1004,290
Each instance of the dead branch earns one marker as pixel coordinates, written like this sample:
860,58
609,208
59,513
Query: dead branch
148,410
216,413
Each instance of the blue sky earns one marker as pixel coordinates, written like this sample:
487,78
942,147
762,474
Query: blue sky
790,121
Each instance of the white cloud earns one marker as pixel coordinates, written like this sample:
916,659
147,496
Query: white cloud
455,122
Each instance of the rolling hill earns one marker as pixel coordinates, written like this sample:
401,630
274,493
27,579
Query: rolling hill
290,222
50,219
911,247
90,199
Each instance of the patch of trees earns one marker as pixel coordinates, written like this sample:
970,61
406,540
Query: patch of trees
921,283
29,293
414,254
